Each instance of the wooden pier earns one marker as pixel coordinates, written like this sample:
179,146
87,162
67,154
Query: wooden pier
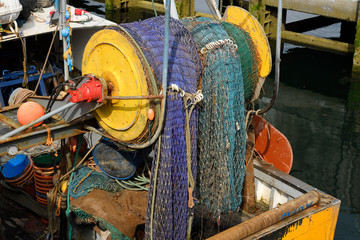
116,4
327,12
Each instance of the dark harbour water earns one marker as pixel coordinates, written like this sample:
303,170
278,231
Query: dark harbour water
311,110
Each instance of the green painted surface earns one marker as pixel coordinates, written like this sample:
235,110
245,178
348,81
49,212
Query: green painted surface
109,5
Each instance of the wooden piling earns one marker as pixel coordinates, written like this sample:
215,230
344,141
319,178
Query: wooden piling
115,4
186,8
354,90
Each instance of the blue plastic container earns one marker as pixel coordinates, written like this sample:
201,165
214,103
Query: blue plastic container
116,163
15,167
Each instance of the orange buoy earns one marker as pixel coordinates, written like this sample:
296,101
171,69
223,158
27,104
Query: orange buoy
151,114
29,112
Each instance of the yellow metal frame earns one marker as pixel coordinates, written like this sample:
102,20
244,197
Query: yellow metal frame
242,18
110,55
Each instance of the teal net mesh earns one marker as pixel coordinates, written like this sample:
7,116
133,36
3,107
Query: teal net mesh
115,234
247,52
221,134
85,180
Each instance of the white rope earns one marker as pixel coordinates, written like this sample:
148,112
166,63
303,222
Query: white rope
193,98
217,44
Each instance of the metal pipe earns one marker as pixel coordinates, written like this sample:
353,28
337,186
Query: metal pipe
214,5
62,26
173,12
277,60
40,119
269,218
134,97
164,81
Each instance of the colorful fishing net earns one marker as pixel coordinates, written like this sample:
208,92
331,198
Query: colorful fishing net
221,137
171,209
115,234
247,53
84,180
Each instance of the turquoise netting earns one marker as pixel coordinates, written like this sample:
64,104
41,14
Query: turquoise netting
247,53
222,137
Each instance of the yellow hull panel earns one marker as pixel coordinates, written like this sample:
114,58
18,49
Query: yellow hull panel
111,56
242,18
314,223
319,226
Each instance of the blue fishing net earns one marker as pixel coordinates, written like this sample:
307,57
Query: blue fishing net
222,136
171,210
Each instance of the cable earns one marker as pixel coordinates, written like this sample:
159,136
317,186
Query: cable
154,8
46,59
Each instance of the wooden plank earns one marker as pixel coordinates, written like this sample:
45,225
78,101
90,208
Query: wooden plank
9,121
310,24
317,43
340,9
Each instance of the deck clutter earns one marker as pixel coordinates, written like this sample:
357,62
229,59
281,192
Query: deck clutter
155,136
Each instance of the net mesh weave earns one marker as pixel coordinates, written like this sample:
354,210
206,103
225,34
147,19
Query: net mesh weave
248,58
222,137
171,211
84,180
115,234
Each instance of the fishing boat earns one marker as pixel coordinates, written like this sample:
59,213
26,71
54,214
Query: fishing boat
218,170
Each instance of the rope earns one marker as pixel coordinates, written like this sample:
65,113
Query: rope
67,33
190,101
46,59
217,44
49,140
154,189
249,114
17,33
81,161
37,18
153,4
71,176
20,96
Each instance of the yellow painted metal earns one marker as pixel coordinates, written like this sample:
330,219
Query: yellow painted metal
319,226
241,17
110,55
316,222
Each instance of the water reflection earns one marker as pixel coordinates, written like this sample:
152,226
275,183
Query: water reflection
311,111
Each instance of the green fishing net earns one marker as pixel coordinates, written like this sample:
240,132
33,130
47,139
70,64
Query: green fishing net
248,59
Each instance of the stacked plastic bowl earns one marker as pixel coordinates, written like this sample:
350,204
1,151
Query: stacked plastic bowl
19,172
44,166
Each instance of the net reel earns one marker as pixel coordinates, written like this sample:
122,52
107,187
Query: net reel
131,91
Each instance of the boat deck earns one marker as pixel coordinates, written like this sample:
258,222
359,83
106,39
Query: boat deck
38,23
